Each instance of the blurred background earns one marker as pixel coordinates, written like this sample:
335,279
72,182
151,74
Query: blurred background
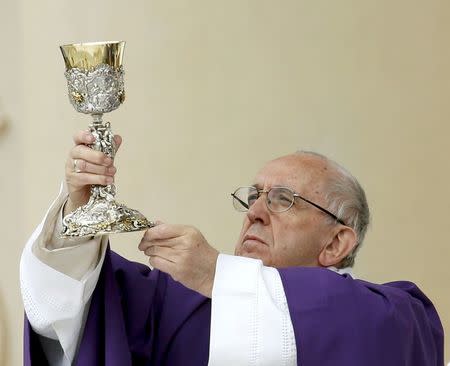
217,88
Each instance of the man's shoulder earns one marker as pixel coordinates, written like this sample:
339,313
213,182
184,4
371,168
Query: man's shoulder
383,322
329,283
399,291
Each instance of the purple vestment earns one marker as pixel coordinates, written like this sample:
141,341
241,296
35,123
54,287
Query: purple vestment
142,317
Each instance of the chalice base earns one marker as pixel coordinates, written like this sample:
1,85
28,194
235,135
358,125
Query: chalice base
102,216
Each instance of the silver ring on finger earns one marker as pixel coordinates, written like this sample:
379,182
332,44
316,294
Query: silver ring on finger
75,168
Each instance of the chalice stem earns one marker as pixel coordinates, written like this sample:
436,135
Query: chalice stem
104,138
104,142
102,214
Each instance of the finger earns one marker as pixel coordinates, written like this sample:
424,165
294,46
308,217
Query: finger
164,232
164,252
144,244
83,166
92,156
83,137
84,179
162,264
86,137
118,141
169,243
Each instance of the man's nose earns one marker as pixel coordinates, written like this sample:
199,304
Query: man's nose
259,211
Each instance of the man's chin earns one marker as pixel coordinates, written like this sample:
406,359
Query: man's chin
252,255
252,252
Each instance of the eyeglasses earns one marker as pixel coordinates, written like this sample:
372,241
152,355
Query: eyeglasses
279,199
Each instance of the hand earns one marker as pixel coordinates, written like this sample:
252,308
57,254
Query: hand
94,168
182,252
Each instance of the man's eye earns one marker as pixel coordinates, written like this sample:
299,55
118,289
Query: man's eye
285,198
252,198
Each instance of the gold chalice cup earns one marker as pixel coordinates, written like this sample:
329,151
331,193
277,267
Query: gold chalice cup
94,74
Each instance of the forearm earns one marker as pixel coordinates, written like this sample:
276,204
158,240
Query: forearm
58,278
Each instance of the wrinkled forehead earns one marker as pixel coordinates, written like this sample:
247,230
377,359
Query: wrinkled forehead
304,174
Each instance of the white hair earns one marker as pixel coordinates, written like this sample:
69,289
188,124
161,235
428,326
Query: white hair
347,200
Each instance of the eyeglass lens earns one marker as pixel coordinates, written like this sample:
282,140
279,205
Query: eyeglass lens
278,199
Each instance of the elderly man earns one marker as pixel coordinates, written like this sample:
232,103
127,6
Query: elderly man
287,298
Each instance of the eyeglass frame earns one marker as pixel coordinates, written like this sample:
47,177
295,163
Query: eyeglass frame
294,194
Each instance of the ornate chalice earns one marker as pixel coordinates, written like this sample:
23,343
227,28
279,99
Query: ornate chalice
94,74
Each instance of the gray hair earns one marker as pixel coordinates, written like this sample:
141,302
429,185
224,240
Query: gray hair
347,200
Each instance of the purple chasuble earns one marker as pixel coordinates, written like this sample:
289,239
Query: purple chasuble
346,322
137,317
141,317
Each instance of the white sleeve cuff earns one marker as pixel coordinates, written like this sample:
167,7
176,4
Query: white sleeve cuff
250,321
57,284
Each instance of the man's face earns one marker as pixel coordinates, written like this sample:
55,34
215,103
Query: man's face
294,237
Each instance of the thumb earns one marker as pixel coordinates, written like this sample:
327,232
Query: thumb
117,141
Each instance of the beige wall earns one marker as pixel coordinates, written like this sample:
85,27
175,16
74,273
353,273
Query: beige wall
215,89
12,223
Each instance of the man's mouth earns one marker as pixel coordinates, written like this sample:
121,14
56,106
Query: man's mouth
253,238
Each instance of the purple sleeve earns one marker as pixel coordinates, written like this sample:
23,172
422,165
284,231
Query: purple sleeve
137,317
341,321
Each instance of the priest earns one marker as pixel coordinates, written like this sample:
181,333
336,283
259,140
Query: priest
287,296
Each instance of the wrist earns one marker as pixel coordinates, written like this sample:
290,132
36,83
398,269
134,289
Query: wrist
69,207
208,283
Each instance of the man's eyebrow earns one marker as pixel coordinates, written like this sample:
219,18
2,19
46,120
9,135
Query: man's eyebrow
257,186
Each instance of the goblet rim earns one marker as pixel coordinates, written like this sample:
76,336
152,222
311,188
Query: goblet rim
96,43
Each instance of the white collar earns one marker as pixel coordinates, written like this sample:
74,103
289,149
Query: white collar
342,271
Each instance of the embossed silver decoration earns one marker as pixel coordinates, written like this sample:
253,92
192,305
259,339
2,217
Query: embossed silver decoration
98,89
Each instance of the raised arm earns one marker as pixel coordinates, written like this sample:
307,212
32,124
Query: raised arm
58,276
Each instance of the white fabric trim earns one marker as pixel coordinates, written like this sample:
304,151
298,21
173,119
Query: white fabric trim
343,271
250,321
55,292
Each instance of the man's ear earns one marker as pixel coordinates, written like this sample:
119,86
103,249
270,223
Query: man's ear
339,246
